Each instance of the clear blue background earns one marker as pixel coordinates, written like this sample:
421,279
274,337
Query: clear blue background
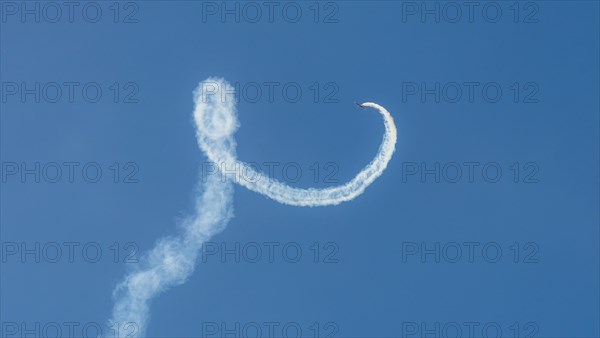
368,53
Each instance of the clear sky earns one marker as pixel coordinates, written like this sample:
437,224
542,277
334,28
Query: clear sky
475,249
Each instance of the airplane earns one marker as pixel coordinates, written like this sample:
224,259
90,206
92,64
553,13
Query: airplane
359,105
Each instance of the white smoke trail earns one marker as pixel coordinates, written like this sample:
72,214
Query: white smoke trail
173,259
216,121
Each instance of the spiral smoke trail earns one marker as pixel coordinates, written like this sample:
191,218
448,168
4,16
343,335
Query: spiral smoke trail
173,258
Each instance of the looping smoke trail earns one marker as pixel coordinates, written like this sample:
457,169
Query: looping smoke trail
173,259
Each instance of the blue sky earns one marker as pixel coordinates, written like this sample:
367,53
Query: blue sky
541,211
